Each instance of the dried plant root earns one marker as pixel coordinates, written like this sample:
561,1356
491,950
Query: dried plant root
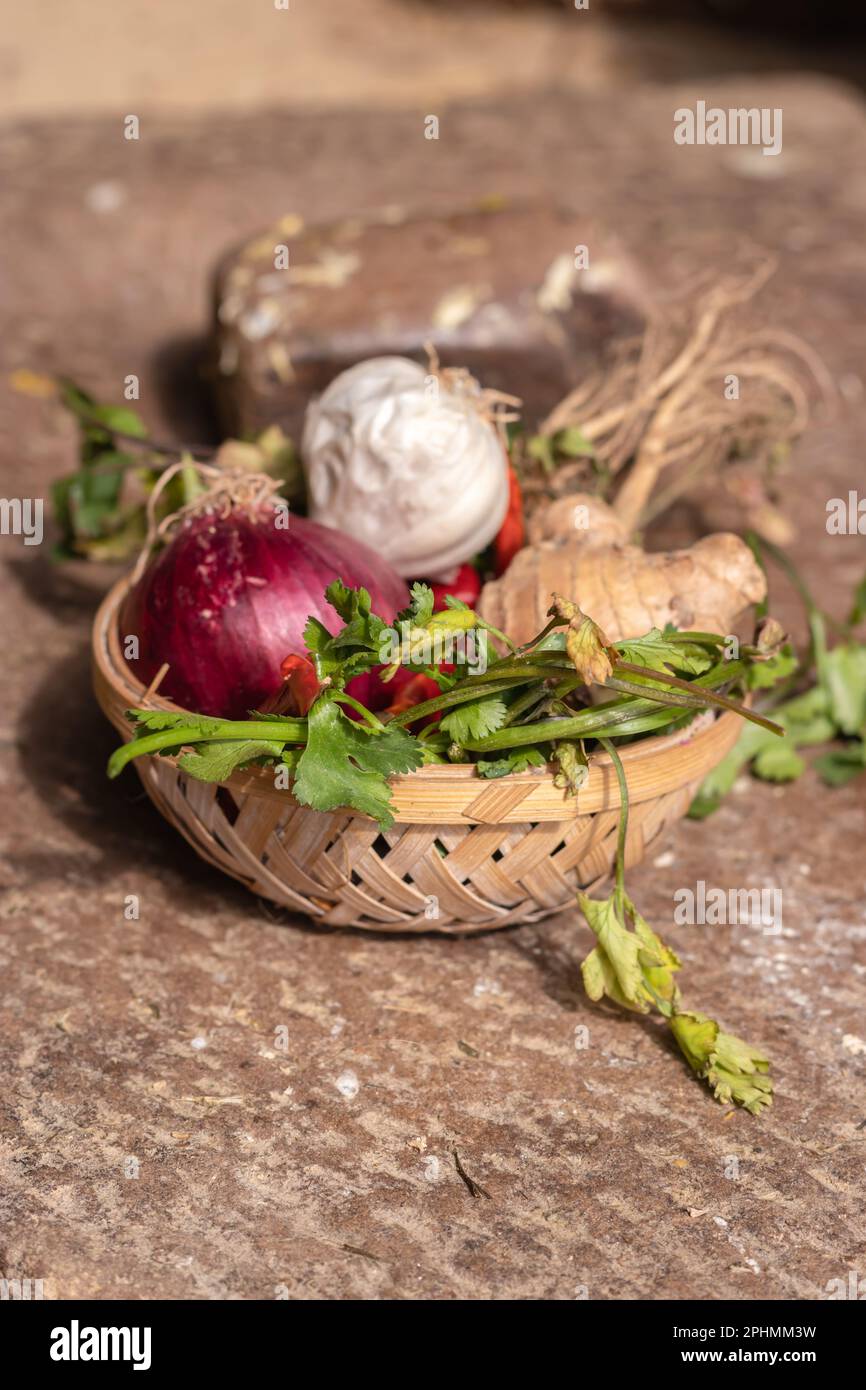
662,409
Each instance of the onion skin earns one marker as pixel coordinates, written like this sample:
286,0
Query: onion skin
228,599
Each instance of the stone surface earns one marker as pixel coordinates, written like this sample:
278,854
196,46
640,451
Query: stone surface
157,1040
210,55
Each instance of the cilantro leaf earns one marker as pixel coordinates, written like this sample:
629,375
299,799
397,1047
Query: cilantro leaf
345,764
317,640
761,675
806,722
780,763
420,609
807,718
474,720
634,968
518,761
736,1071
349,603
153,720
637,970
572,764
214,762
843,676
333,661
656,651
356,647
86,409
573,443
719,781
121,419
840,765
541,447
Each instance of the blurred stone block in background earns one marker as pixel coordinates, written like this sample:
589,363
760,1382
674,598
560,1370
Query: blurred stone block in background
524,296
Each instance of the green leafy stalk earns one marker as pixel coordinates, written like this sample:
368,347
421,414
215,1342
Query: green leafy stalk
614,719
101,508
710,697
193,729
474,688
632,966
832,709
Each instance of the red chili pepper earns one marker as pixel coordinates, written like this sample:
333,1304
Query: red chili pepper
466,586
301,685
404,689
512,533
386,697
412,691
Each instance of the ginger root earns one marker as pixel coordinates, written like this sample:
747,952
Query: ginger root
580,516
581,551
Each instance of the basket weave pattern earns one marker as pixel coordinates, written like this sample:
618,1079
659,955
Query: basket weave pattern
463,855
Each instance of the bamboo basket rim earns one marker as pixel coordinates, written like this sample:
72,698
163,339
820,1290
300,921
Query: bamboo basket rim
443,794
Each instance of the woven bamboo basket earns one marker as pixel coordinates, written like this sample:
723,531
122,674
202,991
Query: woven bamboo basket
463,855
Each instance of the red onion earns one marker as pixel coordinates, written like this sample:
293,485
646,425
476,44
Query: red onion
229,597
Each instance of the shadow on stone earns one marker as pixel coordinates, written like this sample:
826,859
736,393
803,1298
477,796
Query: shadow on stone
64,742
181,375
67,589
559,974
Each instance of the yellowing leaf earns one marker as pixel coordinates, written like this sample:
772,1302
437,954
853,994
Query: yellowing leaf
28,383
618,949
589,651
736,1071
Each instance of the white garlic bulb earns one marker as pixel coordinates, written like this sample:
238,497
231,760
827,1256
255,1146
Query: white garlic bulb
408,462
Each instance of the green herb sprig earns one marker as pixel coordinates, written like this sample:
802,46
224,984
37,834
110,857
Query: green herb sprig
821,700
517,714
634,968
101,507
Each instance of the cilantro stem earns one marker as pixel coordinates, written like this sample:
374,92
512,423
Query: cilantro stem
548,655
622,831
533,696
367,715
667,697
218,730
590,723
615,719
710,697
87,415
510,670
495,632
700,639
545,631
472,689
